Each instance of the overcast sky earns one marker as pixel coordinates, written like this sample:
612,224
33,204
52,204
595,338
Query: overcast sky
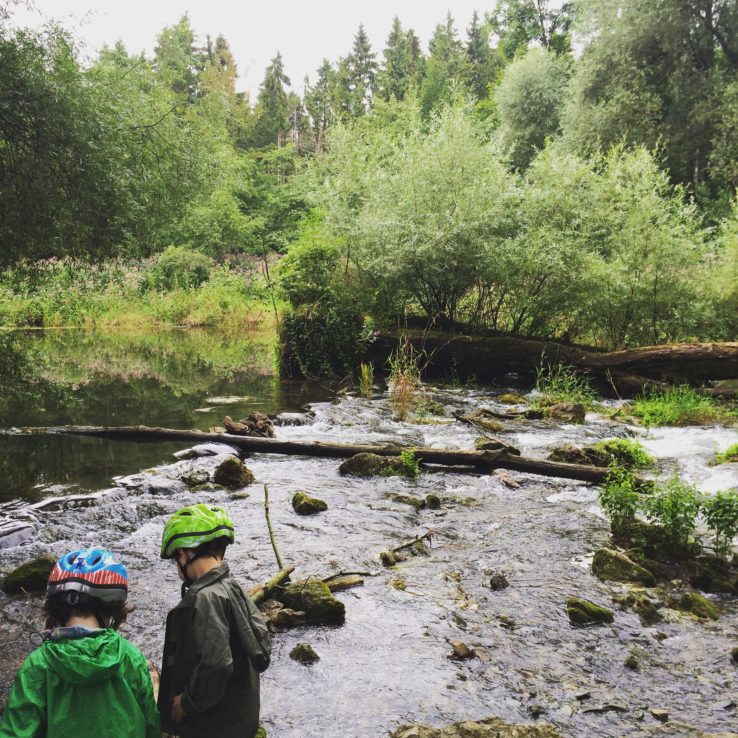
304,32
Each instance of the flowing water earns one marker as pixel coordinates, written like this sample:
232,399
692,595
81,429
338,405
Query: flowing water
389,663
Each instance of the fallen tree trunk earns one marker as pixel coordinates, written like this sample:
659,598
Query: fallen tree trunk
489,358
262,592
481,460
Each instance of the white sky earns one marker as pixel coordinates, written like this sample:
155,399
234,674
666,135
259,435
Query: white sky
304,31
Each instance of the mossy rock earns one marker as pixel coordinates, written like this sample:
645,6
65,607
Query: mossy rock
643,607
373,465
572,412
304,504
261,732
233,474
495,444
304,653
621,451
433,501
511,398
313,597
492,727
427,406
31,576
416,502
712,574
195,478
570,455
615,566
697,605
584,612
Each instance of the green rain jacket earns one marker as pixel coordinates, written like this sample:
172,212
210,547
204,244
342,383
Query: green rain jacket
216,644
95,686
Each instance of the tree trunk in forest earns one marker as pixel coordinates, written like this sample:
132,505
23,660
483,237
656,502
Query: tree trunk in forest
490,358
484,461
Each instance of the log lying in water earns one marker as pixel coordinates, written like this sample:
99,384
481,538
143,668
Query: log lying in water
481,460
488,358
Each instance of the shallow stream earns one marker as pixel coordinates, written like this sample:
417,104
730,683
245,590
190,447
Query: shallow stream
389,663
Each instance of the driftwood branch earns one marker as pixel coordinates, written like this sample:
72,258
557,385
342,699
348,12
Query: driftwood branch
269,527
484,461
262,591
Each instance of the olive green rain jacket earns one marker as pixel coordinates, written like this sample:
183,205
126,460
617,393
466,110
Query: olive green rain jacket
215,646
94,686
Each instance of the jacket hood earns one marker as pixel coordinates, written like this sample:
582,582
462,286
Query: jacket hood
89,660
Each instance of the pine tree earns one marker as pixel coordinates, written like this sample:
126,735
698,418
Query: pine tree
219,73
480,58
176,59
319,104
362,69
446,64
402,67
272,106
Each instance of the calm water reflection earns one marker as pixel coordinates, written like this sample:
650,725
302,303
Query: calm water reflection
176,379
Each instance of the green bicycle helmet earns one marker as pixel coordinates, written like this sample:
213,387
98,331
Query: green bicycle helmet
193,525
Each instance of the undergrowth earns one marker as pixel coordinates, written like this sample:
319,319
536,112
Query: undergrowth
680,406
557,383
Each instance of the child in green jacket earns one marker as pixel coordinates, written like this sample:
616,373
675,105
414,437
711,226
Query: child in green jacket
216,641
85,679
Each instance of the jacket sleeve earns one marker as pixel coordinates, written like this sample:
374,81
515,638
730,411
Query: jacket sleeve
253,633
25,713
213,658
143,690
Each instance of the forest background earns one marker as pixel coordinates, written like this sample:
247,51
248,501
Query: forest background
499,179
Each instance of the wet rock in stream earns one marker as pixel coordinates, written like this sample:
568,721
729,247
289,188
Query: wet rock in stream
372,465
31,576
584,612
615,566
489,728
697,605
304,504
233,474
315,599
304,653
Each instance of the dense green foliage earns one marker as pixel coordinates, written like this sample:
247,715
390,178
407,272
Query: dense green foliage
496,178
681,406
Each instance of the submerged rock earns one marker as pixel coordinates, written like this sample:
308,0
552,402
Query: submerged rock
698,606
645,608
315,599
233,474
570,455
195,478
31,576
461,651
615,566
304,653
572,412
511,398
492,727
304,504
372,465
584,612
498,581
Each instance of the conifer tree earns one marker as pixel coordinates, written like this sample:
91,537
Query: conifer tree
219,72
177,61
362,69
319,104
272,106
481,59
402,67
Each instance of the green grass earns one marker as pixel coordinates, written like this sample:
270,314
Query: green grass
557,383
730,454
119,295
681,406
624,452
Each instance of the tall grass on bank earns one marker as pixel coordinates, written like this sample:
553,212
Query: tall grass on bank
404,378
680,406
67,293
562,383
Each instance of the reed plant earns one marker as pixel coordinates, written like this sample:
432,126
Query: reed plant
557,383
366,380
404,378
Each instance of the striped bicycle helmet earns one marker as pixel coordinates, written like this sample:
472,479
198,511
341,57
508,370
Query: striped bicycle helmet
90,572
194,525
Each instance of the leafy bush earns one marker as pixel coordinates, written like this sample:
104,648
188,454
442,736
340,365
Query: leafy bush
404,378
680,406
179,267
410,463
560,383
721,514
620,500
674,507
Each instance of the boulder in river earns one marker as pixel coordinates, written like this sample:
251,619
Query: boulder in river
315,599
233,474
31,576
584,612
573,412
492,727
304,653
697,605
615,566
304,504
372,465
714,574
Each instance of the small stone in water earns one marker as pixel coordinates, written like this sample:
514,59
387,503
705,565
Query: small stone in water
507,622
461,651
632,663
660,715
304,653
498,581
